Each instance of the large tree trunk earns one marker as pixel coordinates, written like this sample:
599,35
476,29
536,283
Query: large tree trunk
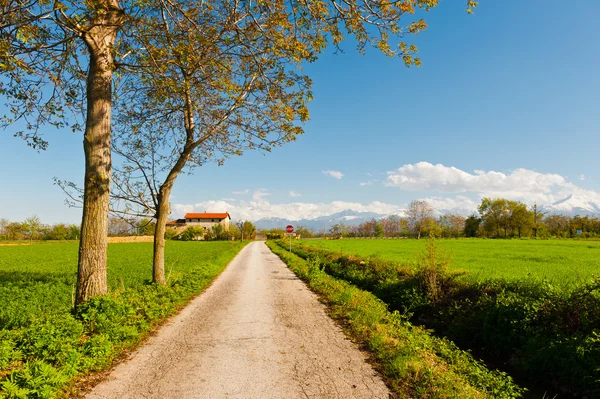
91,274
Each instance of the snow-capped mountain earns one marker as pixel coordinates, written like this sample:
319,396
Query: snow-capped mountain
574,204
348,217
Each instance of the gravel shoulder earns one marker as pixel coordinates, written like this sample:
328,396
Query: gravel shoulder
257,332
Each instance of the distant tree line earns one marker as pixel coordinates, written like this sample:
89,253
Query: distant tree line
496,218
241,230
33,229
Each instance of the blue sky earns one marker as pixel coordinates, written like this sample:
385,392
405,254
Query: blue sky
511,92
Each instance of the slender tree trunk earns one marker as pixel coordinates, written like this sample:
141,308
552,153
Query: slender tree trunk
91,274
163,208
162,216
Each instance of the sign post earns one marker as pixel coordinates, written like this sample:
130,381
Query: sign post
289,230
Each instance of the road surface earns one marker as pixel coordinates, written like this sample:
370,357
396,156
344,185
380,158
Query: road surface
257,332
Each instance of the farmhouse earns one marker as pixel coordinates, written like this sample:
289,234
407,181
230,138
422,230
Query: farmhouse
206,220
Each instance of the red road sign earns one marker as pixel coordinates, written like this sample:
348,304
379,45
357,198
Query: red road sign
289,228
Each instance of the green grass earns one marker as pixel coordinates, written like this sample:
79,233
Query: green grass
39,279
415,363
562,262
546,334
44,344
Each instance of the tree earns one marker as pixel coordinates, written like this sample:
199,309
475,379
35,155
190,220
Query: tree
274,234
14,231
452,224
432,228
338,230
303,231
3,223
248,230
172,36
145,227
557,225
393,226
31,227
472,226
379,232
537,218
119,226
43,46
417,215
520,218
493,215
192,233
62,232
222,79
501,215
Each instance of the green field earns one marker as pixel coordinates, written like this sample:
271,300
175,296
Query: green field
39,279
563,262
44,344
530,308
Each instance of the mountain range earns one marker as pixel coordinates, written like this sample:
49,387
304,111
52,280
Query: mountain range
348,217
574,204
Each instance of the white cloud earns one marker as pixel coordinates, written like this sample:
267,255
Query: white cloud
521,184
367,183
259,194
582,177
334,173
450,188
459,204
246,191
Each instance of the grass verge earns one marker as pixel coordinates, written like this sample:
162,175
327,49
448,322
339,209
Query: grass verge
414,363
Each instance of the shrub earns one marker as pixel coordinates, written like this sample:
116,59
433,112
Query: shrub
192,233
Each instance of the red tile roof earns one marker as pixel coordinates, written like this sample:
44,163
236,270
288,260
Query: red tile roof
207,215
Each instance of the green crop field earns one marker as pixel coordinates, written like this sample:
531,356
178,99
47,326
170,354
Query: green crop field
43,343
528,307
563,262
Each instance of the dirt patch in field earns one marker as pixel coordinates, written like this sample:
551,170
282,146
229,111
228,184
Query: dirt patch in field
131,239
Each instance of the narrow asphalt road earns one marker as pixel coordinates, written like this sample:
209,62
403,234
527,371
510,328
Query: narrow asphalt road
257,332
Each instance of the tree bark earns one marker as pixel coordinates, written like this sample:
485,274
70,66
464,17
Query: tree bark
100,39
163,208
162,215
